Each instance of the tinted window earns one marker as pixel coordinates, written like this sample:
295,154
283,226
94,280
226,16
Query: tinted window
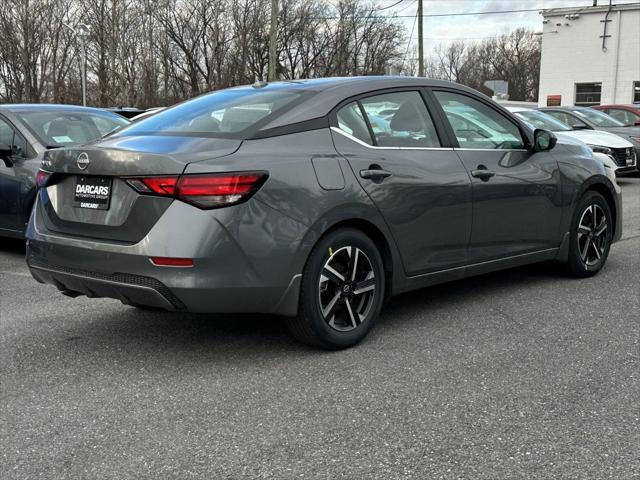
567,118
63,128
350,120
624,116
13,139
400,119
221,113
477,125
599,118
538,119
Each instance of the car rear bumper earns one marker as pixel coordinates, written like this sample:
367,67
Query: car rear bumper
225,277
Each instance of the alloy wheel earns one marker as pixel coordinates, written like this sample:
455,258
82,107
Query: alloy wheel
347,288
593,237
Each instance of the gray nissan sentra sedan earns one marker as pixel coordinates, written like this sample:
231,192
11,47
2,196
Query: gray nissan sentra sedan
317,200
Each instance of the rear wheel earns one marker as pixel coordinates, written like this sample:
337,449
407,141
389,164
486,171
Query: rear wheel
591,234
342,291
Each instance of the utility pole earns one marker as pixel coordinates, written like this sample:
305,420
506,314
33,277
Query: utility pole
82,32
420,42
273,37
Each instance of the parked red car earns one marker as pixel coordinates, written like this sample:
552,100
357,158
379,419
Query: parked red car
627,114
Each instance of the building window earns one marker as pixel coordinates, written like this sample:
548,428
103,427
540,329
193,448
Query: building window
588,94
636,92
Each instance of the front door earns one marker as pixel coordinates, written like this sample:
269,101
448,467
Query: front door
516,192
421,189
10,203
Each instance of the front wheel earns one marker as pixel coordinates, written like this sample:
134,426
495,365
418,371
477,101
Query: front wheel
342,291
591,234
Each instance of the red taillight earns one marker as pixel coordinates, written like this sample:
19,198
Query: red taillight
156,185
171,262
42,178
204,191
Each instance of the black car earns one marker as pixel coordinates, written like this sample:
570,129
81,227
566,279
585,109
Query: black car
26,132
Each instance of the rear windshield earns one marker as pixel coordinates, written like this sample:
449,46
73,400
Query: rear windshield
226,113
64,128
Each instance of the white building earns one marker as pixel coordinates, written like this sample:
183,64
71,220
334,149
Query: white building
590,55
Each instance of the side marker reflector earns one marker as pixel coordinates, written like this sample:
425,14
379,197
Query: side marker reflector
171,262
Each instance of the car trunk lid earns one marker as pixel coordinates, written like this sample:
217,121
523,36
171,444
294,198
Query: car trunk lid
87,196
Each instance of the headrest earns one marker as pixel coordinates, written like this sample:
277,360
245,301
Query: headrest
405,118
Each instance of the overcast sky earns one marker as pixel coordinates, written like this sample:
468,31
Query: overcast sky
448,29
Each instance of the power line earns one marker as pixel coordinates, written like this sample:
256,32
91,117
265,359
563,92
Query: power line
389,6
415,20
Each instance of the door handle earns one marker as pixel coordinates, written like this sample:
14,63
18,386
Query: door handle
375,174
482,172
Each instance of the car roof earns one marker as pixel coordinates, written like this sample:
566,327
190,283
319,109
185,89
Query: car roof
568,108
519,109
625,106
331,91
47,107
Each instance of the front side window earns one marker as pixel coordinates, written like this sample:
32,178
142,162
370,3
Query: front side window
400,119
588,94
477,125
538,119
224,113
568,119
10,137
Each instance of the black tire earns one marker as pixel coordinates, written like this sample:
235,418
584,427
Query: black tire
352,316
588,250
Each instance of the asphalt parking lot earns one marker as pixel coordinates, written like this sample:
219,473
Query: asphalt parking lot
518,374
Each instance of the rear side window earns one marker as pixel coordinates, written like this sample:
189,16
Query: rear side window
400,119
477,125
350,120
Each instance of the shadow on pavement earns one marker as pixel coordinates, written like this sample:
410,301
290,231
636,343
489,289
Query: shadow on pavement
215,337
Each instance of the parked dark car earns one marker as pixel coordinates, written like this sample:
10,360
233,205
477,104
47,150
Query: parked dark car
626,114
581,118
26,133
282,198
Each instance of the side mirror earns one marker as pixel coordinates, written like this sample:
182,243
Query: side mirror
543,140
5,154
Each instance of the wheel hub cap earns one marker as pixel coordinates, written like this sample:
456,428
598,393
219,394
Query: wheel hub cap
347,288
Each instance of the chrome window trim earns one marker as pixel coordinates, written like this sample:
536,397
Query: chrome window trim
375,147
491,149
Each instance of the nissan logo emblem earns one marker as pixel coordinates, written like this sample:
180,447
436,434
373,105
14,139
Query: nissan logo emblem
83,161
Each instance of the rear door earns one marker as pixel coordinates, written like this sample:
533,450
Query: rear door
420,186
516,192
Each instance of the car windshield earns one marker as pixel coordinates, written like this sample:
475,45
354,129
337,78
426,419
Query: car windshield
598,118
61,128
225,113
542,120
